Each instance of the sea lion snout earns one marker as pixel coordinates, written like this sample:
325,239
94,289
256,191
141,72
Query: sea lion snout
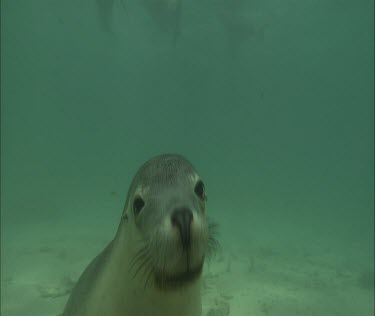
182,218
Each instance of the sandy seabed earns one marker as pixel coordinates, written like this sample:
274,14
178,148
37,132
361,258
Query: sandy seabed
40,263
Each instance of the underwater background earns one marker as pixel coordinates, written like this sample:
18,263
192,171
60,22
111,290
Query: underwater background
272,102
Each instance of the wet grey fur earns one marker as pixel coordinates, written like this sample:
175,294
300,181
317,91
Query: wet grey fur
162,177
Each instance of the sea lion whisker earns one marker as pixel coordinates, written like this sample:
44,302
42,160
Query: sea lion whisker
142,265
148,277
212,242
138,256
135,265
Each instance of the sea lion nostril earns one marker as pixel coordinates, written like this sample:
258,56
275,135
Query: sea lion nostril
182,218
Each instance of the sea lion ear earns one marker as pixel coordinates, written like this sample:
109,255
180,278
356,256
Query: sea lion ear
125,216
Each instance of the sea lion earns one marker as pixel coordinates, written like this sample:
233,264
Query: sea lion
153,265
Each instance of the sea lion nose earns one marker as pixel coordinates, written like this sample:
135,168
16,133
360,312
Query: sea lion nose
181,218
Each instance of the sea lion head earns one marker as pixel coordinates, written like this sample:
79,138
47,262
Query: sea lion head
167,219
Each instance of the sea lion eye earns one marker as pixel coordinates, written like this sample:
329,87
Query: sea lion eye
199,190
138,204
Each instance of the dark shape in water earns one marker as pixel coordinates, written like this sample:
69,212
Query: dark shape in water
105,9
240,22
165,13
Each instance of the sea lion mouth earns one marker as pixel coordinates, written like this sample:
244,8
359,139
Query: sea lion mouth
164,281
165,263
166,273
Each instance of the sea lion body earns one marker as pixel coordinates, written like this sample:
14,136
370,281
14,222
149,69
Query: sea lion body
153,265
